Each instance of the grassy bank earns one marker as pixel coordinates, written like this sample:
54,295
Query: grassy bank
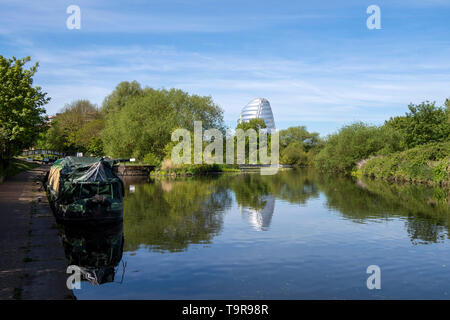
428,163
16,166
191,170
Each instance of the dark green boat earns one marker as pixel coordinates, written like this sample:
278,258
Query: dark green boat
85,189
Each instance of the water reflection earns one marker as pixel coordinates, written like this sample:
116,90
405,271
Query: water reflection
259,219
169,215
186,238
96,250
425,209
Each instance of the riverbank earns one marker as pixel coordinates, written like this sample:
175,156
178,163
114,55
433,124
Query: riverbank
171,170
426,164
33,262
15,167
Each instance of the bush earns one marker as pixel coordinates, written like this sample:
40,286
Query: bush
294,155
151,159
427,163
352,143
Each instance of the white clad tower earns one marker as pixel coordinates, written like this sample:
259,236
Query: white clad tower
258,108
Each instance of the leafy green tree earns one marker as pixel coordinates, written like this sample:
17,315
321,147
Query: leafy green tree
76,129
352,143
89,136
255,124
298,146
22,116
300,135
117,99
145,123
447,109
426,123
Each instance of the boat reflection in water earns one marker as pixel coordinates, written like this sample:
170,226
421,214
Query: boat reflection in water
97,251
259,218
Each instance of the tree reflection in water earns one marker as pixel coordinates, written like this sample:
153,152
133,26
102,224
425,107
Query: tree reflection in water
169,215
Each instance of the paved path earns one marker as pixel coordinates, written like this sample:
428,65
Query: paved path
32,264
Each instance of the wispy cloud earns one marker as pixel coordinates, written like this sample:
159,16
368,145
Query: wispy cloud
330,90
315,62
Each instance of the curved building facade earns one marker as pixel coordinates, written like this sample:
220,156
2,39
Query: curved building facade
258,108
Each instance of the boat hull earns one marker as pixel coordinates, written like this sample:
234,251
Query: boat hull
97,213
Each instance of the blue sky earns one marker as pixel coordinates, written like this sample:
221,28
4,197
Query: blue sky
315,61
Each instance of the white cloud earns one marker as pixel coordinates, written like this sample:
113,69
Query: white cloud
326,91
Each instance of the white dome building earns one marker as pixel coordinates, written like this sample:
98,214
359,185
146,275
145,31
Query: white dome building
258,108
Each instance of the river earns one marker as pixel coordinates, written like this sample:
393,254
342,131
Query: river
294,235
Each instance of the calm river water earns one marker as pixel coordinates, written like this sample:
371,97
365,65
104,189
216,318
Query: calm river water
294,235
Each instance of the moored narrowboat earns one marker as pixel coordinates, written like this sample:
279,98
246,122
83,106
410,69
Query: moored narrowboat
85,189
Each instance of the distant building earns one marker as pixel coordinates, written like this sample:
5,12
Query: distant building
258,108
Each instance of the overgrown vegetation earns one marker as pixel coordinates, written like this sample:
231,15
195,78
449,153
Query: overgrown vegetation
414,147
429,163
353,143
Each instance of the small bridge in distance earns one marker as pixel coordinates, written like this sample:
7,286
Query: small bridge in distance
43,151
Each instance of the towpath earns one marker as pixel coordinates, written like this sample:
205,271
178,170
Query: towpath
32,263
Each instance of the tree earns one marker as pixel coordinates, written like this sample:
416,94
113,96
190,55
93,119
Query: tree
117,99
294,154
297,145
447,109
300,135
426,123
22,116
257,125
352,143
76,129
144,124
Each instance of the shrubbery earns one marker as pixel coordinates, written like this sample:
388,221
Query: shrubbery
353,143
414,147
427,163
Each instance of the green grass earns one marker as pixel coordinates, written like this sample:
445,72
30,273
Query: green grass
16,166
196,169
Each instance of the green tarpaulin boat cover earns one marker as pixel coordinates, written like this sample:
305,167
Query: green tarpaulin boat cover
88,169
67,174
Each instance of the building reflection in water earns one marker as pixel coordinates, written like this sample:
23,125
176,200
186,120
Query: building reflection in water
97,251
259,219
